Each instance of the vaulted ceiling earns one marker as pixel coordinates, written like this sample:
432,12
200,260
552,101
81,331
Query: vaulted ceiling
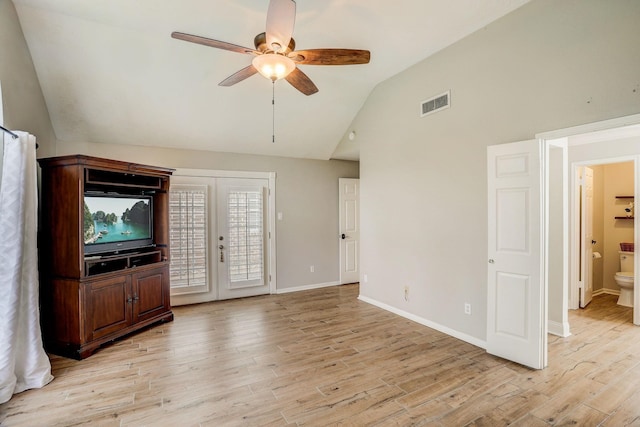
111,73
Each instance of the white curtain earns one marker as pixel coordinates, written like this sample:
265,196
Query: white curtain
23,362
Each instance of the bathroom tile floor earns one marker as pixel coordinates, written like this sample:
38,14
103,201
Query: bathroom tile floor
323,357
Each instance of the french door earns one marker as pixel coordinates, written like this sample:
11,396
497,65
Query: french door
241,237
220,238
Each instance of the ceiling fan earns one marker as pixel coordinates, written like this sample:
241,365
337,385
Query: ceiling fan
275,56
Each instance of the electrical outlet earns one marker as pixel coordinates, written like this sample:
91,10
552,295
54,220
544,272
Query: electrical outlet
406,293
312,268
467,308
365,278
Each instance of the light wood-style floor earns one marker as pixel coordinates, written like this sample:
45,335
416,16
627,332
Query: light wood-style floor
322,357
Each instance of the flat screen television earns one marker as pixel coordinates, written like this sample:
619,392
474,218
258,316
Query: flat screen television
116,222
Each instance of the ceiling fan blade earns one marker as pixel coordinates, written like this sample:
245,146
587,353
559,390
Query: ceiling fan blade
239,76
302,82
213,43
331,56
281,18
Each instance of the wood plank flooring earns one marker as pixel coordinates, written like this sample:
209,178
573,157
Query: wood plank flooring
324,358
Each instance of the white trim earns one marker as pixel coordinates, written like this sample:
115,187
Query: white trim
573,290
543,152
591,127
212,173
428,323
559,329
271,213
606,291
271,220
307,287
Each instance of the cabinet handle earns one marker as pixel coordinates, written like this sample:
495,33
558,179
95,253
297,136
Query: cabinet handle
136,297
129,300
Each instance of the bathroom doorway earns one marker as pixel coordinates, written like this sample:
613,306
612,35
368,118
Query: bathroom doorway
600,143
604,217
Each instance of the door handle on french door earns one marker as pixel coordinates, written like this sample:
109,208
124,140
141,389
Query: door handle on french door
343,236
491,261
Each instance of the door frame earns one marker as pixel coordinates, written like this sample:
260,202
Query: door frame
598,132
271,273
574,285
585,252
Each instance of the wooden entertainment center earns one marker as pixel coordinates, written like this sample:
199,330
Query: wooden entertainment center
88,300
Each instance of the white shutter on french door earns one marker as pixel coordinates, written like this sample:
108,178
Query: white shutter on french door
242,239
516,305
188,219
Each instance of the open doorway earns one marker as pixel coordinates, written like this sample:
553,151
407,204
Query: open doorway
613,141
539,305
604,224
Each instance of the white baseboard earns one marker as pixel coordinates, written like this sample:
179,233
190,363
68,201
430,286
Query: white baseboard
306,287
560,329
445,330
607,291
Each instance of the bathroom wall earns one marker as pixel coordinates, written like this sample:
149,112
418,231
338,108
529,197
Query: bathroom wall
618,181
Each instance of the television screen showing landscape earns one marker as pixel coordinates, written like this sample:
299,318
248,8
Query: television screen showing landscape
116,219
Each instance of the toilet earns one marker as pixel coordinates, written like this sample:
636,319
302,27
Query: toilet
624,279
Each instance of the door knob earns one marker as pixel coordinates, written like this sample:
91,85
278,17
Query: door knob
593,242
491,261
344,236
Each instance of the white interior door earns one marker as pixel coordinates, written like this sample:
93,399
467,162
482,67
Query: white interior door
586,238
242,238
516,318
349,194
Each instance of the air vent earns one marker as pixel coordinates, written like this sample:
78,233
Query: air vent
436,103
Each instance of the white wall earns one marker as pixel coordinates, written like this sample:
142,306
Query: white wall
23,103
618,181
306,194
548,65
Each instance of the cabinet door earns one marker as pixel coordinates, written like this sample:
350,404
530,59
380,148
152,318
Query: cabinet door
108,307
150,293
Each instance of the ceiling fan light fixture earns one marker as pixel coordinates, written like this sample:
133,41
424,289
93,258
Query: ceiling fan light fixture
273,66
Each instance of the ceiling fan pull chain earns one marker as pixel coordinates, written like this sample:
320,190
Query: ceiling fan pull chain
273,111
